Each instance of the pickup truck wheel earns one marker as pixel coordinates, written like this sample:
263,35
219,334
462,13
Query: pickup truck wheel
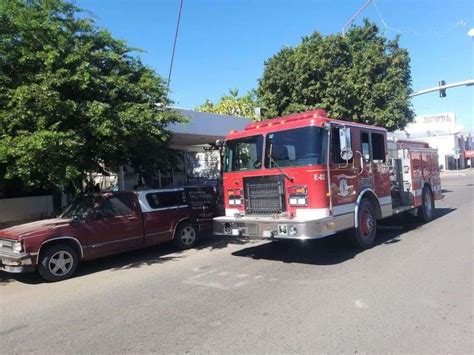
425,211
364,235
58,262
185,236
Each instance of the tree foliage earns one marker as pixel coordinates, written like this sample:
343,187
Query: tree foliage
72,97
233,105
362,76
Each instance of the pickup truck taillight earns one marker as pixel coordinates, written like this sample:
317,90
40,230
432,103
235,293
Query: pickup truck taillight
297,196
235,197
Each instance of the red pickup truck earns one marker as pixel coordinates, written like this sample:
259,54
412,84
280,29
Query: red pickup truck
96,225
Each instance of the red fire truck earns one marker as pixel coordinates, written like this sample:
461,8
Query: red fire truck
307,176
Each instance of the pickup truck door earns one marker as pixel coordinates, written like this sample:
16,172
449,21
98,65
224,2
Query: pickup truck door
117,227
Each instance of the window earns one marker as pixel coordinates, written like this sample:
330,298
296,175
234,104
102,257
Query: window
243,154
365,146
378,148
336,147
116,206
166,199
296,147
81,207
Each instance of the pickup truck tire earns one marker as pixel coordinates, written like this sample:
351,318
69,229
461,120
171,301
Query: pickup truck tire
185,236
364,235
57,262
425,211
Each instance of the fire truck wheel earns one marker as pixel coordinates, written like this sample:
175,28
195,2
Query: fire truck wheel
185,236
58,262
425,211
364,235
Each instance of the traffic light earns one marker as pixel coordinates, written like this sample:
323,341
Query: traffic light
442,92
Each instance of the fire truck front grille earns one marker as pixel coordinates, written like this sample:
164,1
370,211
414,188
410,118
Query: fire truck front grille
264,194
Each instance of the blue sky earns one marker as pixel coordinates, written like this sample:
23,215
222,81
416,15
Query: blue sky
223,44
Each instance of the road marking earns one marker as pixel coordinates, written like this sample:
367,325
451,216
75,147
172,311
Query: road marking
240,284
223,280
360,304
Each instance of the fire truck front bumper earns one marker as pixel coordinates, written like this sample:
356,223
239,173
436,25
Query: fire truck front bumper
274,228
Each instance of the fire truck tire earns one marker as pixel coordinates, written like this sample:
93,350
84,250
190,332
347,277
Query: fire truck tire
364,235
425,211
58,262
185,236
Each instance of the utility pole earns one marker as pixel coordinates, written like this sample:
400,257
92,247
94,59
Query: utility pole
174,47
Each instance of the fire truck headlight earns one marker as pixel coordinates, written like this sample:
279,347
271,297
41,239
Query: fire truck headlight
293,230
302,201
298,201
235,201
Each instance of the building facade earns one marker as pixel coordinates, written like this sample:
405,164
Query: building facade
199,160
442,132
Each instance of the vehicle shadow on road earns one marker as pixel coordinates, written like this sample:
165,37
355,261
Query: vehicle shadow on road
328,251
128,260
335,249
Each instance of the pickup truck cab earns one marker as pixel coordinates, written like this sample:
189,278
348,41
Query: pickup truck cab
96,225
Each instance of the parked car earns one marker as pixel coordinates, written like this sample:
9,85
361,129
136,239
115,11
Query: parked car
96,225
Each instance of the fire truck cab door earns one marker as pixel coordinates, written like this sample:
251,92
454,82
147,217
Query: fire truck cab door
364,162
342,171
380,172
374,173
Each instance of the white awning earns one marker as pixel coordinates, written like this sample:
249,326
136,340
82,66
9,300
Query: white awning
204,128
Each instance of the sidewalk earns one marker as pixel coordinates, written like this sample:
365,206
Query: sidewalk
463,172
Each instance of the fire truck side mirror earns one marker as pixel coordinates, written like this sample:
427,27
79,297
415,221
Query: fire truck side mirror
345,143
220,143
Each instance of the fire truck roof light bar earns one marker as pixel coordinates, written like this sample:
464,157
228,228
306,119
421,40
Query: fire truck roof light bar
299,116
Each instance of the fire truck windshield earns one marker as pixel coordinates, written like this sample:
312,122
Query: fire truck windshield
296,147
243,154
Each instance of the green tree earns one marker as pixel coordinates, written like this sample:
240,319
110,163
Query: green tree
233,105
362,76
72,97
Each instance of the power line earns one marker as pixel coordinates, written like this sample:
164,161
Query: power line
174,47
380,15
348,23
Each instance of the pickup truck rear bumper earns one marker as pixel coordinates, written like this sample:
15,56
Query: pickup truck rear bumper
274,228
17,262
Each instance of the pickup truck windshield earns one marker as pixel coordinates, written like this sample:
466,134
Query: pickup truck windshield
296,147
80,207
243,154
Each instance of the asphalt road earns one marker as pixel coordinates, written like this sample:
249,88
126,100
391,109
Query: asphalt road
413,292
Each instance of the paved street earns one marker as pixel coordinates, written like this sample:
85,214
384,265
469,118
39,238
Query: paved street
411,293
